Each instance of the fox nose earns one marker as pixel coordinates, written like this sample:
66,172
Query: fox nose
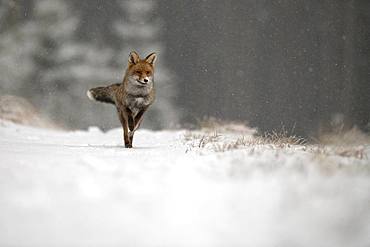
145,80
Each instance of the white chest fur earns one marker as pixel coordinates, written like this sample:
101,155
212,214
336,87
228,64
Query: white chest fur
135,104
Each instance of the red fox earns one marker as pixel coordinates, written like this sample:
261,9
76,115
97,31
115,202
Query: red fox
133,96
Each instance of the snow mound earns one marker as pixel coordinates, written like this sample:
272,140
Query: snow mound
19,110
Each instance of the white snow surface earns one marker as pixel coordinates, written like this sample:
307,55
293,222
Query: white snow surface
83,188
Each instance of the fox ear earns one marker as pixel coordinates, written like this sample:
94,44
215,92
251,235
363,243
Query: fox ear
151,58
133,58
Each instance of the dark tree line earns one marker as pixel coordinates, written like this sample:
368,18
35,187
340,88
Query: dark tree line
300,65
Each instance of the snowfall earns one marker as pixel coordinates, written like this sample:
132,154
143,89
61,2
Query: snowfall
82,188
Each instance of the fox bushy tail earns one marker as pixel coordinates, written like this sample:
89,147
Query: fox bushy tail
103,94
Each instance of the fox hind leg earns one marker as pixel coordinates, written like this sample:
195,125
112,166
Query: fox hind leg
137,121
126,136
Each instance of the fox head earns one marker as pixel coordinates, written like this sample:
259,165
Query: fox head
140,72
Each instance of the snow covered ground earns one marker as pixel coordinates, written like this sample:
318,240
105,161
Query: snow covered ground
83,188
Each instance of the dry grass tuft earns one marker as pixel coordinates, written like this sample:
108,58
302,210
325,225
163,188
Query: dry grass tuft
356,152
282,139
350,144
272,140
206,139
351,137
221,143
233,144
215,141
200,140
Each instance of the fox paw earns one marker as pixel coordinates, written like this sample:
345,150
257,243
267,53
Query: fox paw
128,145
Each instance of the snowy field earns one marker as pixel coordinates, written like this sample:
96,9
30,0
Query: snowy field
177,188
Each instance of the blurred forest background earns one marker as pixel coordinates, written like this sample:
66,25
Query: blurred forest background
298,64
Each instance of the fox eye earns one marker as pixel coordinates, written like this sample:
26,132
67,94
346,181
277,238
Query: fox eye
148,72
137,71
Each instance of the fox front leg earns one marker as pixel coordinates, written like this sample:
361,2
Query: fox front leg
131,125
123,119
126,136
